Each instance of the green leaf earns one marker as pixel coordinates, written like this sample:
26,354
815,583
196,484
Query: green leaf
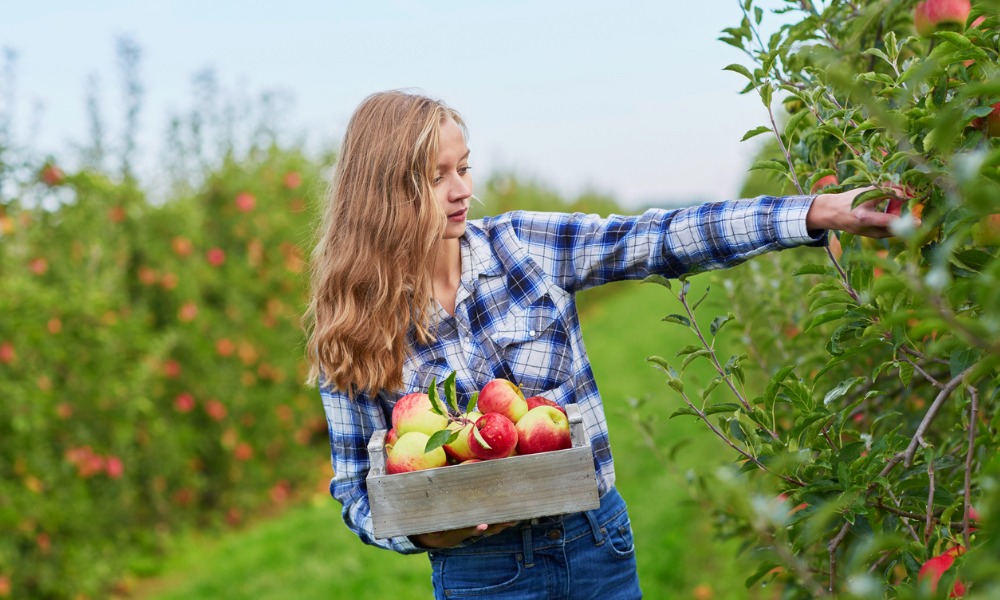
711,386
794,122
719,322
440,438
813,269
679,319
472,403
694,356
841,390
769,165
449,393
432,393
737,68
658,279
479,438
722,407
755,132
684,411
825,317
905,373
688,350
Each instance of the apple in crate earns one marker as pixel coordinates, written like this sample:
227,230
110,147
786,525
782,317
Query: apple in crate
534,401
459,450
413,412
407,454
543,429
502,396
499,434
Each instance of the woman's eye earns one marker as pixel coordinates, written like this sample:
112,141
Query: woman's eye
464,170
437,180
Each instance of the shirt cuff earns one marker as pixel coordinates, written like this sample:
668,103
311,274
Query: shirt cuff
792,230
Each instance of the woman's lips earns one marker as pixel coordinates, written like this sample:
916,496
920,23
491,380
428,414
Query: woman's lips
459,216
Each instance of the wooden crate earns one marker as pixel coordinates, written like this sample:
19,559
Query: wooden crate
492,491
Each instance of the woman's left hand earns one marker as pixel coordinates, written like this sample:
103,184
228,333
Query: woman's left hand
833,211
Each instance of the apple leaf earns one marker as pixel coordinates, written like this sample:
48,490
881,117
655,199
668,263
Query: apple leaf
694,356
479,438
449,393
737,68
684,410
472,403
657,278
432,393
679,319
440,438
688,350
755,132
719,321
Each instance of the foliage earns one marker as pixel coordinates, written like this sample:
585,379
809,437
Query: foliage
151,359
861,416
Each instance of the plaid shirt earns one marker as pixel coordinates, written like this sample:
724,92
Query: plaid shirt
516,318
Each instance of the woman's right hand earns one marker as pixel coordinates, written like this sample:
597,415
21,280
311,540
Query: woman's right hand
454,537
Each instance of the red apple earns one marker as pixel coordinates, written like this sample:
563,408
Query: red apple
935,568
413,412
245,201
823,182
51,175
534,401
407,454
216,256
542,429
990,121
391,436
937,15
502,396
500,434
459,450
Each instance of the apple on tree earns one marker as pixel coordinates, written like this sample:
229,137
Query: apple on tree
940,15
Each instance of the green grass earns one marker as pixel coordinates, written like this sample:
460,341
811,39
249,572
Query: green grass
308,553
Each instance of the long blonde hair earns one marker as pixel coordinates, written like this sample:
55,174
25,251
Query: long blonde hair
370,272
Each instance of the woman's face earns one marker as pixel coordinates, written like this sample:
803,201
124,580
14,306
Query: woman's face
452,181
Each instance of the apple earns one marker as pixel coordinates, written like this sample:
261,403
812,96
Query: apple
245,201
51,175
542,429
500,434
391,436
935,567
413,412
459,450
407,454
822,182
940,15
534,401
991,122
502,396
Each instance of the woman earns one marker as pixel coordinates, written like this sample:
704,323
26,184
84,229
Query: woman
405,290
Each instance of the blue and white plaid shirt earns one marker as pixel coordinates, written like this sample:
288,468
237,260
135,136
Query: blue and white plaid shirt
516,318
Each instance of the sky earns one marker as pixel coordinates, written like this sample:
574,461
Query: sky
626,98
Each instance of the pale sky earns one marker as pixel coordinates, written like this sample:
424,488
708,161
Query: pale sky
627,97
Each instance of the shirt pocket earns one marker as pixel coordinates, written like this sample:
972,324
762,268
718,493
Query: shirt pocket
535,343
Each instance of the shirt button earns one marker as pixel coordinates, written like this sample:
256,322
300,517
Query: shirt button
555,534
532,333
468,340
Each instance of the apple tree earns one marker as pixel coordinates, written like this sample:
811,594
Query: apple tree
859,406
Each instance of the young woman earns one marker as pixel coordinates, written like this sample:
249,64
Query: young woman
406,290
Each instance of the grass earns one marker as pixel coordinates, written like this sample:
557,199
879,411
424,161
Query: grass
308,553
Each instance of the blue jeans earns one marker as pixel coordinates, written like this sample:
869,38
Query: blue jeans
572,557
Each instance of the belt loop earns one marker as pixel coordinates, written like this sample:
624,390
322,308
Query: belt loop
595,528
529,557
